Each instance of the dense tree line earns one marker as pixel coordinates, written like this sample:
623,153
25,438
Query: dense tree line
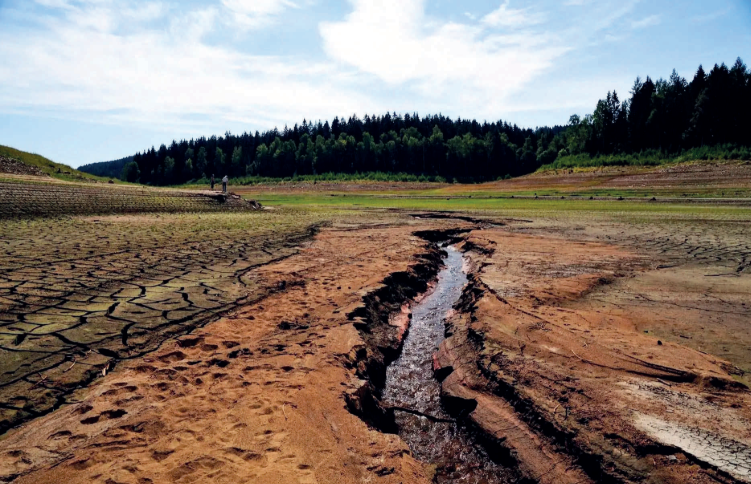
390,143
667,116
110,169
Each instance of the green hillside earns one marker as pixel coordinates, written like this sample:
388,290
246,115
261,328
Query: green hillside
46,166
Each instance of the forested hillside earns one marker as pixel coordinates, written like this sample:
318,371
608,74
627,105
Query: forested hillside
710,114
110,169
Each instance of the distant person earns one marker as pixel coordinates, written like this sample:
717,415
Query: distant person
212,181
224,183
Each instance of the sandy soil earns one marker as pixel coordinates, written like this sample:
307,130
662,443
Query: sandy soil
548,344
255,397
586,351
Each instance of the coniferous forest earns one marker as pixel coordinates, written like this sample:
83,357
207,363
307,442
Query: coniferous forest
707,116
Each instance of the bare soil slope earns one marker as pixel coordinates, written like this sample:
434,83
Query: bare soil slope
685,176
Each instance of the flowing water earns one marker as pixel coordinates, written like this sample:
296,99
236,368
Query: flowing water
430,432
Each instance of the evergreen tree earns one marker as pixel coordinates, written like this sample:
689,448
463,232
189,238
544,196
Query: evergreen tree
666,115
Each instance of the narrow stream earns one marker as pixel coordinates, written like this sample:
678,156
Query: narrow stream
410,384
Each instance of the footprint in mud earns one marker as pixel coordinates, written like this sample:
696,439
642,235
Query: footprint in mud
121,390
209,347
172,357
113,414
218,362
189,342
204,463
162,386
145,369
241,352
81,465
244,454
63,434
161,455
84,408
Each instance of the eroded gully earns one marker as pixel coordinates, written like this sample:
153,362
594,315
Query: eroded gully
433,435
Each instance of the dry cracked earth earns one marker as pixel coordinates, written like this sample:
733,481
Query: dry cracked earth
580,350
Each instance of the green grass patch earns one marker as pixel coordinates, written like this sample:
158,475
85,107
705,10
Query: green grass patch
49,167
517,206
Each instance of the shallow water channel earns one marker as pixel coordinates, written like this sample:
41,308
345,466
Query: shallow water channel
410,384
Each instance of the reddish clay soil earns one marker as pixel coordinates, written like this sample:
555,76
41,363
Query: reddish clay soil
553,355
255,397
544,354
686,176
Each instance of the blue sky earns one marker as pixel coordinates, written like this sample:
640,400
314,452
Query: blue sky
92,80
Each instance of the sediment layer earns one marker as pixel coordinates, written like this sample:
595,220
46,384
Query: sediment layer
573,395
54,199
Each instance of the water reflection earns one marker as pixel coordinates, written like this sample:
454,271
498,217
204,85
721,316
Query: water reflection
410,384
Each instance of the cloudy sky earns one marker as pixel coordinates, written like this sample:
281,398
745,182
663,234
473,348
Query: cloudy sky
92,80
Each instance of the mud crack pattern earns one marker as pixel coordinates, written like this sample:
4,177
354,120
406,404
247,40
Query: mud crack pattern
65,320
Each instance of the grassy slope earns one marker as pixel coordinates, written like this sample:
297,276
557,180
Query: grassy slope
55,170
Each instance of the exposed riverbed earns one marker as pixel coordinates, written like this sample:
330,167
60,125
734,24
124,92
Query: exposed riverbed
432,434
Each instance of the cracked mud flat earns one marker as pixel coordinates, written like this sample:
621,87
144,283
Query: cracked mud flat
547,344
254,397
726,454
68,313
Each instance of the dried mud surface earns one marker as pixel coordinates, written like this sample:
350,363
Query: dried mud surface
258,396
70,309
566,378
582,350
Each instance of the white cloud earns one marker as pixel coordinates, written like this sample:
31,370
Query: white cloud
166,66
82,63
512,18
395,41
256,13
650,21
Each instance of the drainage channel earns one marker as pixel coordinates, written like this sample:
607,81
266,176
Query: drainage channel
411,389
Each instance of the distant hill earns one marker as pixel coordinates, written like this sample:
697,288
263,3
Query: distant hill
22,163
109,169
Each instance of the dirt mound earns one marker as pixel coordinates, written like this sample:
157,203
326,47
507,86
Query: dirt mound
15,167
